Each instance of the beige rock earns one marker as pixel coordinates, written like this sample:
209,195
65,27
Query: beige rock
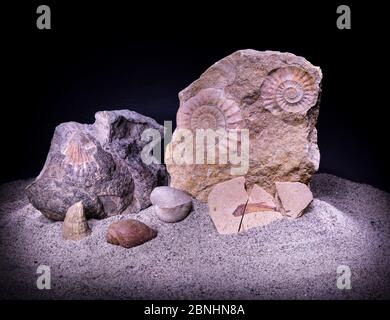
75,226
228,201
223,200
294,197
275,96
266,215
259,195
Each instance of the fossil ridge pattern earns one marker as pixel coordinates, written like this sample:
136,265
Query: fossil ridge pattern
209,109
275,96
290,89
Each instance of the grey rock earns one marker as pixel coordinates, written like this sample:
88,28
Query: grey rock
99,164
170,204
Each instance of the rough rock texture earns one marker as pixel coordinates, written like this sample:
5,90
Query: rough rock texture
294,197
75,225
275,96
347,223
129,233
171,205
98,164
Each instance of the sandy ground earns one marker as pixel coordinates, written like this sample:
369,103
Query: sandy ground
347,224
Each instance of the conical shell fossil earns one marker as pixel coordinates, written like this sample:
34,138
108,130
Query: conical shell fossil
75,225
290,89
79,154
209,109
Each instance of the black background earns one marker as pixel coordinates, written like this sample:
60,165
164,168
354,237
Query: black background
115,55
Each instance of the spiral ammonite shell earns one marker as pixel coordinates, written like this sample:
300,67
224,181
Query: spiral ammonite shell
291,89
209,109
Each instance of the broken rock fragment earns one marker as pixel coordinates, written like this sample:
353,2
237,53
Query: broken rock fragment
263,212
129,233
223,201
233,210
294,197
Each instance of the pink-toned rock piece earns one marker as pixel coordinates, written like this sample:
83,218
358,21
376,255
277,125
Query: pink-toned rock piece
294,197
263,217
259,195
223,200
229,201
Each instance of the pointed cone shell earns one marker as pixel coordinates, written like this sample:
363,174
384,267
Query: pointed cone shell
75,225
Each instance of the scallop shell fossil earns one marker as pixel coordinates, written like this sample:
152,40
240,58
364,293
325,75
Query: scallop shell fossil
79,155
289,88
209,109
75,225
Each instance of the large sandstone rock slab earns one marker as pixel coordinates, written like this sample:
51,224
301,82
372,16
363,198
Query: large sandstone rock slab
275,96
99,164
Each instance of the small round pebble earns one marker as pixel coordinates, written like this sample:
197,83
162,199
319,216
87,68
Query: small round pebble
170,204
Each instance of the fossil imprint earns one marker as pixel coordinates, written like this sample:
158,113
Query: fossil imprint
209,109
290,89
79,154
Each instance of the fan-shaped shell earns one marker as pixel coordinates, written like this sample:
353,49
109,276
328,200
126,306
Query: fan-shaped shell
75,225
291,89
209,109
79,154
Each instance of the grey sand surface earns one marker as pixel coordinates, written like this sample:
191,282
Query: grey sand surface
347,224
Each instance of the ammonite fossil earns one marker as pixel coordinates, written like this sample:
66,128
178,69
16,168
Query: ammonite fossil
290,89
209,109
